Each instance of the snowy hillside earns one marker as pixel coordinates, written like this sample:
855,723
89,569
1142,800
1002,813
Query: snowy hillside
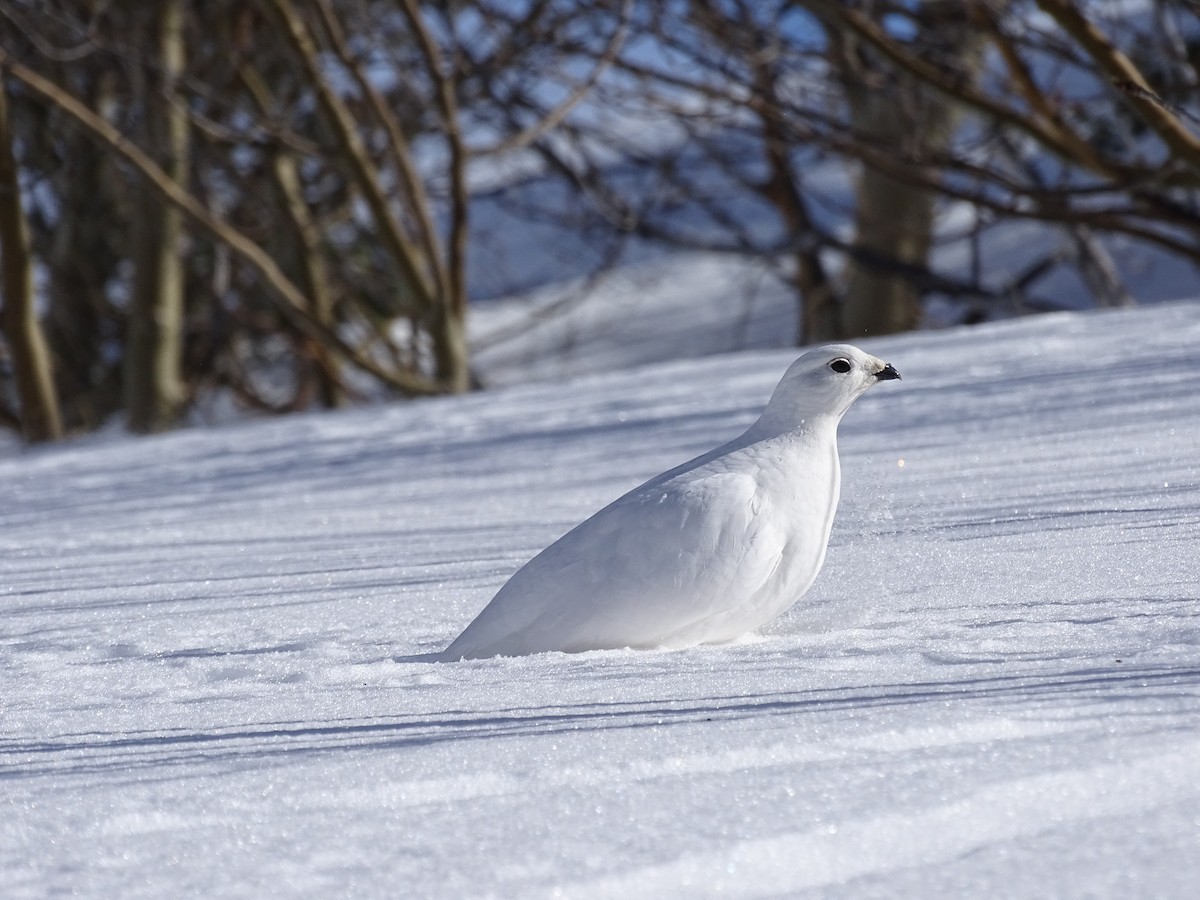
215,673
684,306
690,305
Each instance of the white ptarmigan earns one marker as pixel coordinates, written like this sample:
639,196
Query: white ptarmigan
704,553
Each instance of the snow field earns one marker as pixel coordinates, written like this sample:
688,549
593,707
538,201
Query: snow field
215,673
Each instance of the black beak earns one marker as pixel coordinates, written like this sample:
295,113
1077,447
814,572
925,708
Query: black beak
887,373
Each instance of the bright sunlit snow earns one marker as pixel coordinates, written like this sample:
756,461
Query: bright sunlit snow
216,646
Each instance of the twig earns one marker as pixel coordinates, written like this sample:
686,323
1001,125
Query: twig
1136,90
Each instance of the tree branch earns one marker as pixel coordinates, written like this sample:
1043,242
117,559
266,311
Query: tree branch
556,116
417,200
1063,143
447,101
355,153
291,301
1184,145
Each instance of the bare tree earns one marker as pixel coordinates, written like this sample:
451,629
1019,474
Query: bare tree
985,105
894,219
38,413
1052,137
314,159
319,163
154,390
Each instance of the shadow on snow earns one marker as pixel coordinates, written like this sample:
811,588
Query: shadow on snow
80,754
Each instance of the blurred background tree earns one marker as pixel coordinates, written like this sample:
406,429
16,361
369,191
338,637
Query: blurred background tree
987,113
265,198
272,201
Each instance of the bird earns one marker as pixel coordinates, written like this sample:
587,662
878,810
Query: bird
703,553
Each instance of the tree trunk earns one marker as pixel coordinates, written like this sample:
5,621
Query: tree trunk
154,391
451,356
305,241
313,277
82,254
818,313
893,218
39,413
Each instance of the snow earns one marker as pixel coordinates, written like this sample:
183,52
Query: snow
216,675
684,306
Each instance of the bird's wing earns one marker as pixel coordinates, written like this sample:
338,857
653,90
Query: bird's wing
662,557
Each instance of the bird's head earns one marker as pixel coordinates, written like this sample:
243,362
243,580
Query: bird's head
824,382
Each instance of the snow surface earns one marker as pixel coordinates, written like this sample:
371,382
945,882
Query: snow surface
684,306
689,305
215,673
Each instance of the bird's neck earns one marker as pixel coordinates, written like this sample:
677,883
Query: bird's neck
776,423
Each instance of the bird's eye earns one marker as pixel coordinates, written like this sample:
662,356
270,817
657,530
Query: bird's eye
841,366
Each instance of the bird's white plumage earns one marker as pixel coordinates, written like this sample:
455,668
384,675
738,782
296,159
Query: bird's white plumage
700,554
